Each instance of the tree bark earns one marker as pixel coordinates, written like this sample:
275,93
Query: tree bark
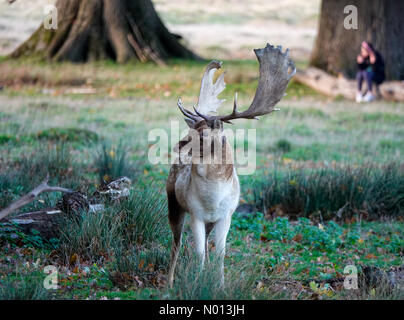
121,30
379,22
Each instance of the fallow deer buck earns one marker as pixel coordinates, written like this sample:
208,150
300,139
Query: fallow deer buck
209,190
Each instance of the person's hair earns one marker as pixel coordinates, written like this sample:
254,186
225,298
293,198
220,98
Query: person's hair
370,46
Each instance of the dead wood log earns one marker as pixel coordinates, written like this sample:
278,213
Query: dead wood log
71,204
31,196
325,83
46,222
392,90
332,86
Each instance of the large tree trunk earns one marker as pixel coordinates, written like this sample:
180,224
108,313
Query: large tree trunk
379,22
97,29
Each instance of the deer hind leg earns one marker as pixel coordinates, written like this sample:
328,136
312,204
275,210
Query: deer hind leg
208,229
221,231
176,218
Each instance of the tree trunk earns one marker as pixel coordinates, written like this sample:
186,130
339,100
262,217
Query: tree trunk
379,22
96,29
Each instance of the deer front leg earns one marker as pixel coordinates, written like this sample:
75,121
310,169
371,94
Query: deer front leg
198,229
208,229
176,218
221,231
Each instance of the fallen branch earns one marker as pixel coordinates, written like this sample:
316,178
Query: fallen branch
325,83
29,197
332,86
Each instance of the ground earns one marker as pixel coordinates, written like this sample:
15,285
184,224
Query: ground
333,167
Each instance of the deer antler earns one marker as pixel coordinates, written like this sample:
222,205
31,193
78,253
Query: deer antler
208,101
276,70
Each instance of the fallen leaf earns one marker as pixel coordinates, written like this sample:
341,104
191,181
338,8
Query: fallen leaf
74,258
263,238
298,237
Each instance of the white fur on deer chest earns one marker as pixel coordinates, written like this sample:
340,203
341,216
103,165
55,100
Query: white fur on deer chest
209,200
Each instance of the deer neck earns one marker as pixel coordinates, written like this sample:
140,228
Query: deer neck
216,168
211,190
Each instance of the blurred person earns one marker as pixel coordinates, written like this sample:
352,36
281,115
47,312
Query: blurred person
371,69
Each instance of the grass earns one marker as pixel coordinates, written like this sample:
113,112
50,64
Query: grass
133,222
67,134
111,162
315,158
317,128
23,174
327,193
24,286
192,283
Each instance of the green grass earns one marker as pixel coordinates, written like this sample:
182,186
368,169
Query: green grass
23,286
133,222
67,134
192,283
317,128
111,163
334,193
24,173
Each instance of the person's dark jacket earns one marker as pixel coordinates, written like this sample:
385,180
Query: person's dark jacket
377,68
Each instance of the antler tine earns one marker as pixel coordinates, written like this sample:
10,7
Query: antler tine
235,103
234,113
186,112
206,117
